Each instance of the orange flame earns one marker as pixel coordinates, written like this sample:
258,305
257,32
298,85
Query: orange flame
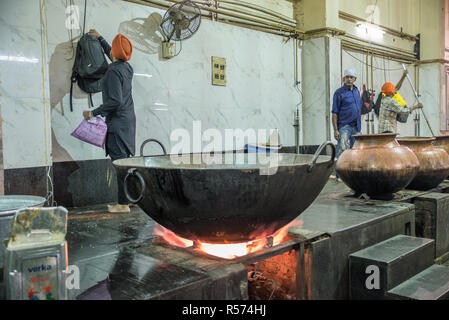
225,250
231,250
172,238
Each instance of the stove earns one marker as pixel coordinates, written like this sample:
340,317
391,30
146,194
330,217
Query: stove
154,269
121,257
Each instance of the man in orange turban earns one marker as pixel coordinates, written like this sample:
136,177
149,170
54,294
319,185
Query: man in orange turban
388,89
117,107
390,108
121,48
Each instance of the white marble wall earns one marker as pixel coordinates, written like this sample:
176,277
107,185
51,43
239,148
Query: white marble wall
433,95
168,94
314,86
171,94
316,80
335,76
24,90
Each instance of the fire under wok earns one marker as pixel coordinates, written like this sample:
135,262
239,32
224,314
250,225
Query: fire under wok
232,202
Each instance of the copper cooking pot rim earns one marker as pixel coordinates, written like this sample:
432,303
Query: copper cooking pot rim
416,139
385,135
441,137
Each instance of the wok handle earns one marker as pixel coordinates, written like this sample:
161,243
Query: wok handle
136,173
151,140
317,154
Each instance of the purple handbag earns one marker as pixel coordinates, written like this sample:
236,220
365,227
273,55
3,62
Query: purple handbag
92,131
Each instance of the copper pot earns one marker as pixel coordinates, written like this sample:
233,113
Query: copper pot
377,165
434,162
442,142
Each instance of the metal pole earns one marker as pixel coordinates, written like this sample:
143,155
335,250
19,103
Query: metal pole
296,126
367,88
417,98
367,123
296,113
371,91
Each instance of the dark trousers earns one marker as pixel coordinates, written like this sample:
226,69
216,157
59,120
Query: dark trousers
116,151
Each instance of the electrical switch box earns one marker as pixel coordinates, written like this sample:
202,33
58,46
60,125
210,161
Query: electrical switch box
168,50
218,71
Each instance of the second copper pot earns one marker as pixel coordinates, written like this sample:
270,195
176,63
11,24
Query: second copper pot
377,165
442,142
433,161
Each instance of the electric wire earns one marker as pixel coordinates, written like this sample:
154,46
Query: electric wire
50,193
180,42
84,23
363,73
301,95
44,48
297,83
298,106
369,65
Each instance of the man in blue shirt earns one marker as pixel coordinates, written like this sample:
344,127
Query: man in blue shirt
346,112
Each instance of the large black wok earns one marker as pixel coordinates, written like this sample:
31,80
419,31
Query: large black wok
224,203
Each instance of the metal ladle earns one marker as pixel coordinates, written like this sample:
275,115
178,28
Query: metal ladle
417,98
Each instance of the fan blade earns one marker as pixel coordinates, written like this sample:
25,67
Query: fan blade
163,21
181,5
194,17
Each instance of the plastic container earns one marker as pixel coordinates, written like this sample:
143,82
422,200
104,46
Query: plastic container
8,207
36,255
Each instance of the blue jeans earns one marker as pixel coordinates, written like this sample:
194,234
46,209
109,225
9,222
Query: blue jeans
346,138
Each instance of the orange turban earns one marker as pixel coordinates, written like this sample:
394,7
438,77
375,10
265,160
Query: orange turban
121,48
388,88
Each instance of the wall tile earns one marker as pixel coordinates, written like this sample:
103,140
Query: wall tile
24,132
171,94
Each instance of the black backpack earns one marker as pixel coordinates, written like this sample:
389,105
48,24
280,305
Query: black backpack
367,101
90,66
377,104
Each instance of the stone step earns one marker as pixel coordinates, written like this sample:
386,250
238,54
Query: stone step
430,284
432,220
381,267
